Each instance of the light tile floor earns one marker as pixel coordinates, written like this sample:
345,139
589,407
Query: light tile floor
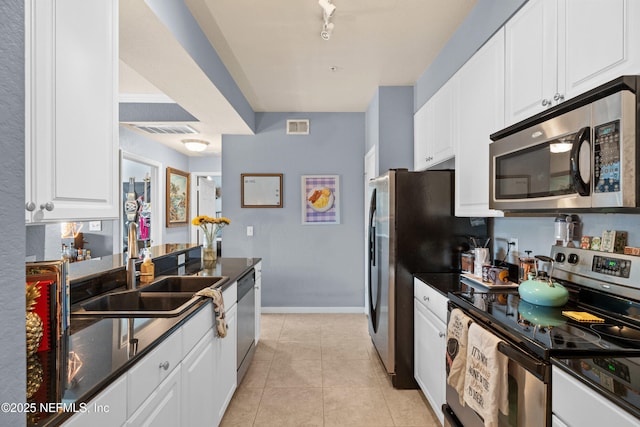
321,370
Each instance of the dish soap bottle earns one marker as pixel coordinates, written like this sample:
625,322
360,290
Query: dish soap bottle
147,270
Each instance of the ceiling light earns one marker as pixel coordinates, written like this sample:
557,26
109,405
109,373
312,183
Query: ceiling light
195,144
328,8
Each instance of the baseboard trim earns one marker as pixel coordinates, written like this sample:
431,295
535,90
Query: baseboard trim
313,310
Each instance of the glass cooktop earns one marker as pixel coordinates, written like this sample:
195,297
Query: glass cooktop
546,330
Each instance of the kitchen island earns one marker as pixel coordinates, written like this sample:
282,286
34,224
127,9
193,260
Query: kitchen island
99,354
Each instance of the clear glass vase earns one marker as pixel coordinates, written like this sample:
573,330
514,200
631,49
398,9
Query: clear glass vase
209,254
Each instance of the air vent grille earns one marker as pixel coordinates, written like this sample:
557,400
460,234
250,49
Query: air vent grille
168,129
297,127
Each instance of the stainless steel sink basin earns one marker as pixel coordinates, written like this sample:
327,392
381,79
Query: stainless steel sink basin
138,304
186,284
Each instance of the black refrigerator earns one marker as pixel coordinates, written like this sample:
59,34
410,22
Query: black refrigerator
412,229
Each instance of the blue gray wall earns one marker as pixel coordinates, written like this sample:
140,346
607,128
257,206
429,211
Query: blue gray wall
12,245
484,20
303,265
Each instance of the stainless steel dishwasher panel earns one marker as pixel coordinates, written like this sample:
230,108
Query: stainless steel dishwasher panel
246,323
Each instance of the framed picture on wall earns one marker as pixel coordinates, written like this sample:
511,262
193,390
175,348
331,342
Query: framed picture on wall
177,199
320,199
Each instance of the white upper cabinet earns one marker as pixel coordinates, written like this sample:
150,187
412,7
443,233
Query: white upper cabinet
599,41
435,128
481,112
72,110
557,49
531,68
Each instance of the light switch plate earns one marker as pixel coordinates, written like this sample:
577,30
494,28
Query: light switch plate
95,225
249,230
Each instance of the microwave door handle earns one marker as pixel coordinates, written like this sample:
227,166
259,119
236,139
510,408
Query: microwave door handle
580,185
537,368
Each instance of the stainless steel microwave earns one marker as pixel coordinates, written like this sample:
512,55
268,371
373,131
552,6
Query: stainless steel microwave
582,154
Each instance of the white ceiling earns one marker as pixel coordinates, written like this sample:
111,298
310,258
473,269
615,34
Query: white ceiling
274,52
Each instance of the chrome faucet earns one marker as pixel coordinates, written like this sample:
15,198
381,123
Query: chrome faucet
132,245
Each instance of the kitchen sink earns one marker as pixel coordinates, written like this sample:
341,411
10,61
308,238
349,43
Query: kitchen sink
184,284
138,304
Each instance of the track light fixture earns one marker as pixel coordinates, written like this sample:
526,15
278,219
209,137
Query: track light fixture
328,9
327,29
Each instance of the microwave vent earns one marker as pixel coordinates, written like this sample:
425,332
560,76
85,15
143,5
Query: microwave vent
167,129
297,127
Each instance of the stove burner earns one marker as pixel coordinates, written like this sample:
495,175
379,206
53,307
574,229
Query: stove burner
623,333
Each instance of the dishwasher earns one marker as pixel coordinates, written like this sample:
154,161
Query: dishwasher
246,322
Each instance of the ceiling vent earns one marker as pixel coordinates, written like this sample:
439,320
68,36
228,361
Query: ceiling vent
297,127
167,129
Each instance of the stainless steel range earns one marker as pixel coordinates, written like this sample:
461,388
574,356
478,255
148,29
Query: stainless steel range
604,287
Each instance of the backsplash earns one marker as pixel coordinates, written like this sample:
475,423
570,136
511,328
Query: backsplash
537,233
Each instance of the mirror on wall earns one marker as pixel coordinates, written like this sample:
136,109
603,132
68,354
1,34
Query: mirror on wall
141,203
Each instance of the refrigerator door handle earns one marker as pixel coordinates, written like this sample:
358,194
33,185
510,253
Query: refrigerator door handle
372,245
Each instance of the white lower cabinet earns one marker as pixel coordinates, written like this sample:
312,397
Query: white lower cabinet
575,404
163,408
225,362
430,345
198,376
108,409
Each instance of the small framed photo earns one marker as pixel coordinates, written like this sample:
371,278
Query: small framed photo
320,199
177,198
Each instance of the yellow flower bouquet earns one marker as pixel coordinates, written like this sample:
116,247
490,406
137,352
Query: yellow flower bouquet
210,227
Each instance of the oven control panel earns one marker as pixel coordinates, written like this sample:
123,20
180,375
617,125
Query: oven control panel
596,268
611,266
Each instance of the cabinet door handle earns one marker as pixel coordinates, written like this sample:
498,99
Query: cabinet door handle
425,298
48,206
546,102
441,334
164,365
30,206
558,97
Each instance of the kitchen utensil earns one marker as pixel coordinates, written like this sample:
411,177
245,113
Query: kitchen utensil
527,264
543,290
481,257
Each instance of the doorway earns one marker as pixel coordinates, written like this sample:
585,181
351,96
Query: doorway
142,187
206,199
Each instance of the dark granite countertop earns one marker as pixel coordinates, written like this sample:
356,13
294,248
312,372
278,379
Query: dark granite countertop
615,378
96,350
442,282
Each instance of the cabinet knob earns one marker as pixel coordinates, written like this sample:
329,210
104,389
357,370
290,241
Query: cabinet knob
425,298
441,334
164,365
546,102
30,206
558,97
47,206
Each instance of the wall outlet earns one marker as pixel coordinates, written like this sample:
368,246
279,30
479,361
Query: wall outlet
513,247
95,225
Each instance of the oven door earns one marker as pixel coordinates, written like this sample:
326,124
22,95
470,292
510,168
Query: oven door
529,395
545,166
